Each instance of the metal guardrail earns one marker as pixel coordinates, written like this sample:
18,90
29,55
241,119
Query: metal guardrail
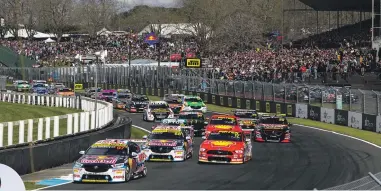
370,182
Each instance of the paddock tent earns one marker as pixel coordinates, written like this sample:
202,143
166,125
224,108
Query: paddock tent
104,32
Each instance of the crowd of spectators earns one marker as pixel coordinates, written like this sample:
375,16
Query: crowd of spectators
338,52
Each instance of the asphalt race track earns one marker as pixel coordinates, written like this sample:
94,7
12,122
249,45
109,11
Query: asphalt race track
314,159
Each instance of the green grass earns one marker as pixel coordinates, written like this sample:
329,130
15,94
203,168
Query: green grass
137,133
17,112
32,186
361,134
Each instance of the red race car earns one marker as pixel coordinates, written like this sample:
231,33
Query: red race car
230,146
272,129
222,122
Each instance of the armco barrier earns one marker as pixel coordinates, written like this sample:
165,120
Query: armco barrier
76,122
61,150
370,182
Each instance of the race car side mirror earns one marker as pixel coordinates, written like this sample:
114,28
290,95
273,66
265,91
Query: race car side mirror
133,154
203,137
81,152
145,137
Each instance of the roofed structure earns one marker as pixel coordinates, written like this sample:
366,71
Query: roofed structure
341,5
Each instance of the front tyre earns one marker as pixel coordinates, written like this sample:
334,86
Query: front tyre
144,117
127,176
144,172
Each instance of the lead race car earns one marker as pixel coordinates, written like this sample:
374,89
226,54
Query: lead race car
273,128
226,146
110,160
169,143
157,111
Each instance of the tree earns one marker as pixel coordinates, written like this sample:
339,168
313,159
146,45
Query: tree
59,14
12,10
30,16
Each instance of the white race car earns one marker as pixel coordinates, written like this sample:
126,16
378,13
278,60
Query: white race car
157,111
169,143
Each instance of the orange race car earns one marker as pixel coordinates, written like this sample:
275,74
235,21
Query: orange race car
230,146
222,122
65,92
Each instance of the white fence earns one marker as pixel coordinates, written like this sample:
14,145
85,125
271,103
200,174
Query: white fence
40,128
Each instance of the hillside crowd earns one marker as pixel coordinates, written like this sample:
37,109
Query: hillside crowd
340,53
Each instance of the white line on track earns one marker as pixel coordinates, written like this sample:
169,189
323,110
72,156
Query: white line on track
355,138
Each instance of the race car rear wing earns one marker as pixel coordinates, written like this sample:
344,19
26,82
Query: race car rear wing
244,110
271,114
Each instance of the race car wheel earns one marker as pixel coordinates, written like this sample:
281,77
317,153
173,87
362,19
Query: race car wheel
144,172
127,176
144,117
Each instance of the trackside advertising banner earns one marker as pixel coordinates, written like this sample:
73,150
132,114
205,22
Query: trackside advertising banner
358,120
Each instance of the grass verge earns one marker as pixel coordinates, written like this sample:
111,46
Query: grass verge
137,133
17,112
32,186
361,134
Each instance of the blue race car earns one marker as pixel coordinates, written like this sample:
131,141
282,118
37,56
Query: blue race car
39,89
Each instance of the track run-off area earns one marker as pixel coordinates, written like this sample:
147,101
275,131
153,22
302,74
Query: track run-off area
314,159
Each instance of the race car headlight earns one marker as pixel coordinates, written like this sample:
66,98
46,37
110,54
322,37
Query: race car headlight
239,151
179,148
202,149
120,165
78,165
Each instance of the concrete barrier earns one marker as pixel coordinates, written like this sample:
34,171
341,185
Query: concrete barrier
77,122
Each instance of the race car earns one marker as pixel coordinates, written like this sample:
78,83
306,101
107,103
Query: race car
107,95
175,102
21,85
222,122
120,100
137,103
157,111
246,118
194,103
111,160
90,92
65,92
225,146
39,89
195,119
169,143
272,129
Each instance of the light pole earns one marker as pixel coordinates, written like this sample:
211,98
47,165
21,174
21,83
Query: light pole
97,54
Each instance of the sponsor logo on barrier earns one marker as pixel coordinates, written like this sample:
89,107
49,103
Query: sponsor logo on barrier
289,109
205,98
221,100
313,114
78,86
213,99
193,63
354,121
238,103
325,116
368,124
268,109
278,108
248,104
339,118
258,106
229,101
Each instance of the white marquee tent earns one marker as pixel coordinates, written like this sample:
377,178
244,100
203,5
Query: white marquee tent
104,32
49,40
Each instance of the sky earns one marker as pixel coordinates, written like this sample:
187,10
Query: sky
154,3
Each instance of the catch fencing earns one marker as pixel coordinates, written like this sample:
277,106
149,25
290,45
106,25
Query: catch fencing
205,80
15,132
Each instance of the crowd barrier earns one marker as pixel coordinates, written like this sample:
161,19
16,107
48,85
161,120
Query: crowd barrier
75,123
62,150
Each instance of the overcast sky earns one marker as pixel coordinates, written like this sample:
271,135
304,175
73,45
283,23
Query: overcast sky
155,3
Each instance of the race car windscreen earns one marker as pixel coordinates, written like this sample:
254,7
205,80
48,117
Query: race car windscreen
22,83
65,90
123,96
158,106
191,116
174,101
270,120
245,114
107,93
223,121
165,135
106,151
38,85
193,99
225,136
139,99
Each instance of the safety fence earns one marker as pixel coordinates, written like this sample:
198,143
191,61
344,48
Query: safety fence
41,128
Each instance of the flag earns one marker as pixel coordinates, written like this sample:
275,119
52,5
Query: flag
151,39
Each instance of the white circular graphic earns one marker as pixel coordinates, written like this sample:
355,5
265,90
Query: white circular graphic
10,180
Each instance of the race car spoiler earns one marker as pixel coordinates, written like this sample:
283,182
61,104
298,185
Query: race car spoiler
247,121
244,110
272,114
